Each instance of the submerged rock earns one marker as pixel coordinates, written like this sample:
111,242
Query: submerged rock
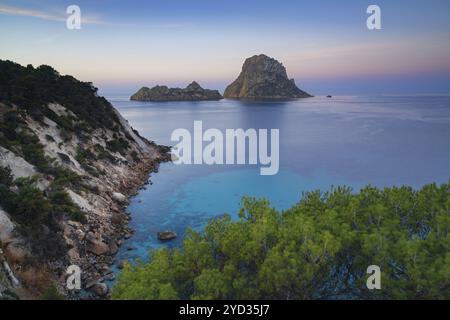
263,77
166,235
193,92
100,289
122,264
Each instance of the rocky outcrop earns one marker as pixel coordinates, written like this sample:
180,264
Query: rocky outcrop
117,196
19,167
193,92
263,77
6,227
95,246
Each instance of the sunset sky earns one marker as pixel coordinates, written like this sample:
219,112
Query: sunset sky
325,45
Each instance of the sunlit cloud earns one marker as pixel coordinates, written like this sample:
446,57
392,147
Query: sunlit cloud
39,14
24,12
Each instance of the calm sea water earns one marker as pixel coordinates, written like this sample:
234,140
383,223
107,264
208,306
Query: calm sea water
354,141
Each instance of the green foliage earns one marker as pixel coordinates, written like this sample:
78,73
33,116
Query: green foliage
134,156
103,154
52,293
318,249
37,212
6,181
84,155
66,177
15,136
6,178
30,205
61,202
119,145
33,88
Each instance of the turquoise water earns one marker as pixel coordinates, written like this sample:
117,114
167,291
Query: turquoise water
161,207
353,141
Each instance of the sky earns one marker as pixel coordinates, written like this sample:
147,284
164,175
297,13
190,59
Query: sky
324,44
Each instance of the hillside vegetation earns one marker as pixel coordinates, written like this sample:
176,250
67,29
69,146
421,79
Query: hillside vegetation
318,249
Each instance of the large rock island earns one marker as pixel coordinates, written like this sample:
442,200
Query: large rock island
193,92
263,77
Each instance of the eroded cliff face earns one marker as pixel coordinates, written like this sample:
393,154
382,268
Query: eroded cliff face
65,183
193,92
263,77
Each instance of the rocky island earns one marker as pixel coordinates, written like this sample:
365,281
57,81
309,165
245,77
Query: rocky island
262,78
193,92
68,162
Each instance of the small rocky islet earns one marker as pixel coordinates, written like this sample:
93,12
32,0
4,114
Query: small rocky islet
261,78
193,92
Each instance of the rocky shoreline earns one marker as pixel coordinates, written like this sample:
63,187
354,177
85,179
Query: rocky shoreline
93,243
68,165
102,241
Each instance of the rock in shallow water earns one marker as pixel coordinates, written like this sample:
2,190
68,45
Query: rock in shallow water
100,289
166,235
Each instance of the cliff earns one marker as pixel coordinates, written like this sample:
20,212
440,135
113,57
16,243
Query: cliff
193,92
68,162
263,78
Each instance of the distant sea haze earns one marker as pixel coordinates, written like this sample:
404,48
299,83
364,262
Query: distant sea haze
353,141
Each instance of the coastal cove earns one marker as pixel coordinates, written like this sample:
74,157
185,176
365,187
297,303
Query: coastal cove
324,142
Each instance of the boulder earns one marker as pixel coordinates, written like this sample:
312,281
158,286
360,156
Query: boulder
119,197
19,167
97,247
109,277
73,255
100,289
262,78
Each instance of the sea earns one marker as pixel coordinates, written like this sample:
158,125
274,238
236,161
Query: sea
383,141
